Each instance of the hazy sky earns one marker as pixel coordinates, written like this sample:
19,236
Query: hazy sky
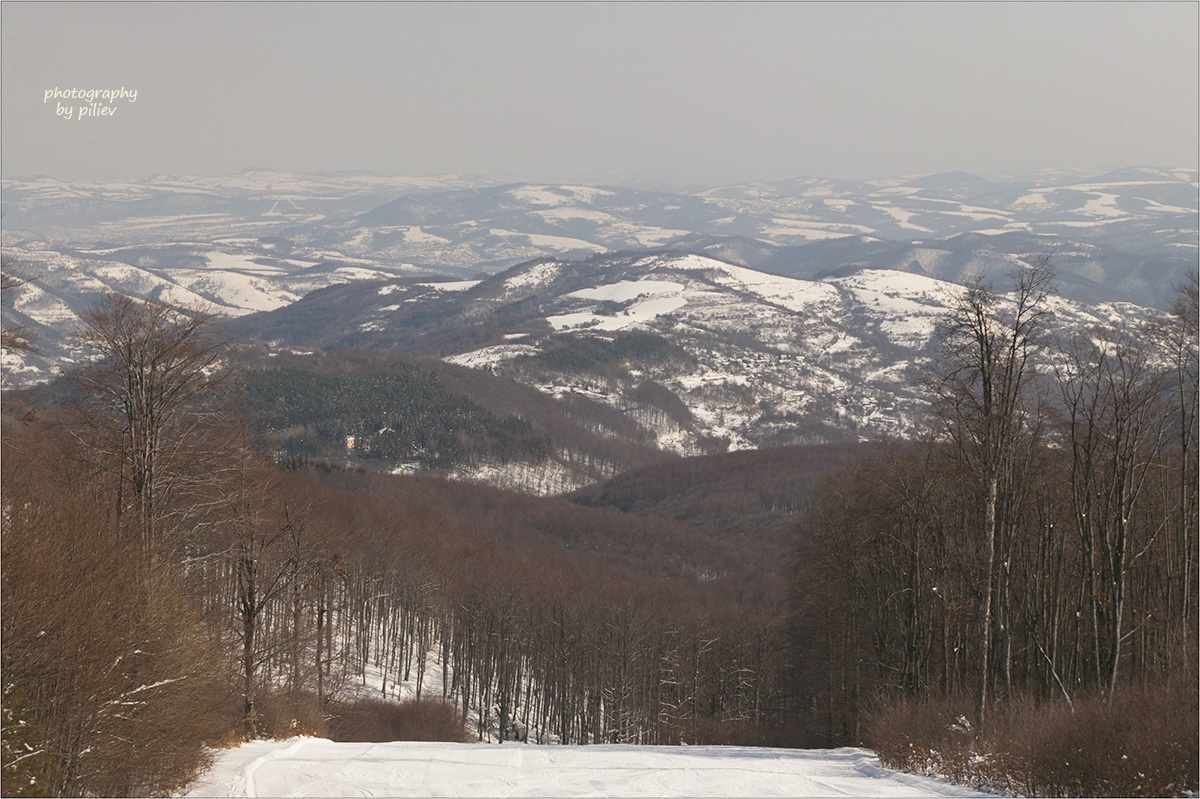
604,92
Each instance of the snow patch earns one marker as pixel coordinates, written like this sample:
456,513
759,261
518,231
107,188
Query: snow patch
414,235
454,285
791,293
487,357
538,195
627,290
637,313
902,217
533,276
556,243
811,230
563,214
1102,205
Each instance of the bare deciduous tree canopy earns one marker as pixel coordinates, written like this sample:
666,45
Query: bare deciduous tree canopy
154,378
14,336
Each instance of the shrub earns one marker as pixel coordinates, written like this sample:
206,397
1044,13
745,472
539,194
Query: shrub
374,721
282,714
1143,743
925,736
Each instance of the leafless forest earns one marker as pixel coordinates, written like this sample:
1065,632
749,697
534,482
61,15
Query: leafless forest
168,585
1039,548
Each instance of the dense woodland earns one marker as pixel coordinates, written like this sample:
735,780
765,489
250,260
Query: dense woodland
170,581
402,415
435,416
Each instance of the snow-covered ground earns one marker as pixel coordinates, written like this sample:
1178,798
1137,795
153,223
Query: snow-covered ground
318,767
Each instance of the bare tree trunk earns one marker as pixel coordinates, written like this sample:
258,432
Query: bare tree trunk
247,603
985,633
322,623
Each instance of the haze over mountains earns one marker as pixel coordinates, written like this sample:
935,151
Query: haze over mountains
1115,233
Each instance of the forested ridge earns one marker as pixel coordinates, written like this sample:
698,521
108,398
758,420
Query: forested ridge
174,579
381,411
402,415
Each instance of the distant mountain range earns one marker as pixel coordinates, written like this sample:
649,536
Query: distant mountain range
1124,235
723,318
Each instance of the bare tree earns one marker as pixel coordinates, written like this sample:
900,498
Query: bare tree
1183,348
983,380
249,528
1110,386
152,366
14,336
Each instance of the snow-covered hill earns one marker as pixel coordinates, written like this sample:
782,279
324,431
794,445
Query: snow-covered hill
1124,235
703,355
230,277
260,240
317,767
1137,210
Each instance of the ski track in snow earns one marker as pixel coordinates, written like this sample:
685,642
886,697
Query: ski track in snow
318,767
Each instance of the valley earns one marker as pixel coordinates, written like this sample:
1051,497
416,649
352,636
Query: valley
616,466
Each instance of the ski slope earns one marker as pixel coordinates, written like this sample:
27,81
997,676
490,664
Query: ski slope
318,767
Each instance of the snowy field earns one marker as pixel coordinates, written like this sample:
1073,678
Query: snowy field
317,767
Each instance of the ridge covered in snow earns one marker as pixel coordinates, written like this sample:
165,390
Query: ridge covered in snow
703,355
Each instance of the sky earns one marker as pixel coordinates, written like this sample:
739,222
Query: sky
678,94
